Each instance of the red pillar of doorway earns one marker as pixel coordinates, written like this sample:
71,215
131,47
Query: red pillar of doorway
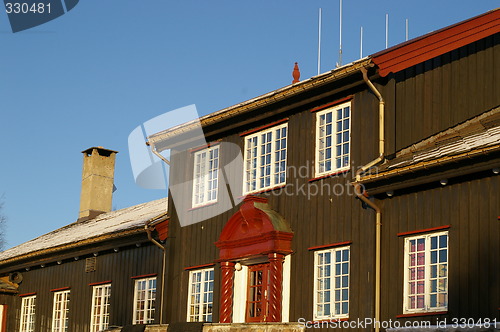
275,286
226,305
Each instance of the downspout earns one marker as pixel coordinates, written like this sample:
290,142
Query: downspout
150,237
381,128
148,229
153,148
359,190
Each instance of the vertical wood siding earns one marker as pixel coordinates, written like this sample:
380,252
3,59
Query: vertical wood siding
446,90
471,207
117,267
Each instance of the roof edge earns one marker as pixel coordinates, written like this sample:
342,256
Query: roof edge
73,245
265,99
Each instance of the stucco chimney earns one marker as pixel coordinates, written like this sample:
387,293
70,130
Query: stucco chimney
97,182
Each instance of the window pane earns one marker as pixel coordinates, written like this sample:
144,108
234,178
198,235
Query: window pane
427,284
332,283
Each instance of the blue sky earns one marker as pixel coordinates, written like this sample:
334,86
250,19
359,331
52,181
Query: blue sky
91,76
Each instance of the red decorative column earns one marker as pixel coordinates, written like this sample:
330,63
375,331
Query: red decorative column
226,299
275,286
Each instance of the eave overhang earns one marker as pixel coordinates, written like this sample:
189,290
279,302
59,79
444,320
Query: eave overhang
471,162
86,246
38,256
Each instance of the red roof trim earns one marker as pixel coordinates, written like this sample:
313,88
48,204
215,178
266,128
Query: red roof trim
333,103
418,314
100,283
27,294
433,44
326,246
60,289
264,127
144,276
197,267
424,230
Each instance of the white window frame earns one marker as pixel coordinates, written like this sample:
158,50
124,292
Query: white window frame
343,287
206,176
345,144
28,305
149,292
200,295
428,278
101,295
254,168
60,311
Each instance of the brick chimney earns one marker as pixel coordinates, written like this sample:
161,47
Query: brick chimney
97,182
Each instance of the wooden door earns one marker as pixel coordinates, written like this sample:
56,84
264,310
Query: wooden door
3,318
257,293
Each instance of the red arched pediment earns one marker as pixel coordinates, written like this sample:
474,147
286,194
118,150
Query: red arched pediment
255,229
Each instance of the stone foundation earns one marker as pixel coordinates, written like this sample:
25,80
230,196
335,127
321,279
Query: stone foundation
253,327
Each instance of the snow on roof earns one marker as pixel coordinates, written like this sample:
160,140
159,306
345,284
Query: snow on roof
116,221
479,132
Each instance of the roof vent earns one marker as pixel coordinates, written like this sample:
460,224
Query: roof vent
90,264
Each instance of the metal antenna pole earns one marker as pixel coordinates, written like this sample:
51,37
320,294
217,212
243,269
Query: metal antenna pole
361,43
319,43
386,30
406,29
339,64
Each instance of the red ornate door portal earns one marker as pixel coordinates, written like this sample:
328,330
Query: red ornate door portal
255,233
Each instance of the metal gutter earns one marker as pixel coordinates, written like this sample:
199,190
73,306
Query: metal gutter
72,245
81,243
428,164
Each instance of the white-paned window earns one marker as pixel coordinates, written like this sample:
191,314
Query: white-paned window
101,294
144,301
333,139
331,283
265,159
28,314
200,297
426,273
206,176
60,311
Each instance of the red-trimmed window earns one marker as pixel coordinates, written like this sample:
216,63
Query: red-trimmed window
265,159
28,314
144,301
331,283
60,311
333,139
206,176
426,273
201,295
101,295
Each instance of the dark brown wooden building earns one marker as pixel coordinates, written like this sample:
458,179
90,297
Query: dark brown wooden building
367,193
